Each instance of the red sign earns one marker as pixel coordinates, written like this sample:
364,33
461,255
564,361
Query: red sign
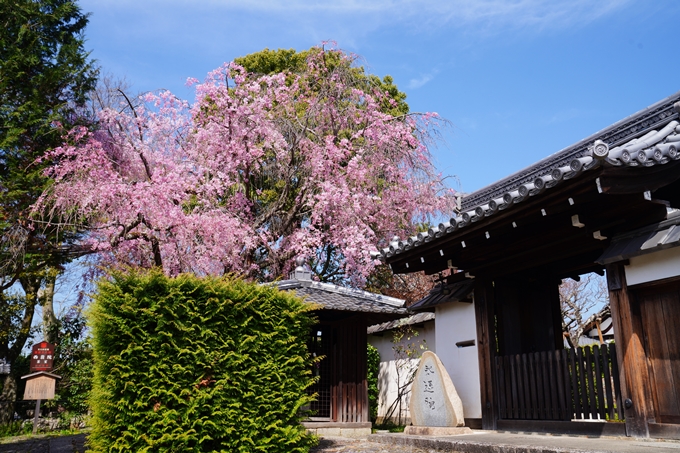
42,356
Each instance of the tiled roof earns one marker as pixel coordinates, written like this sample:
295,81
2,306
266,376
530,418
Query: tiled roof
444,293
650,137
655,237
410,321
333,297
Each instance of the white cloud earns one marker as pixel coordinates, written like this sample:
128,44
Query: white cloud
422,80
564,116
486,14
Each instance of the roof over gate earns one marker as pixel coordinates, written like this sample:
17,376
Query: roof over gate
560,213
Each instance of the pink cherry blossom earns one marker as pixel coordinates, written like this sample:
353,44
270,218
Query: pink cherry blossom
257,171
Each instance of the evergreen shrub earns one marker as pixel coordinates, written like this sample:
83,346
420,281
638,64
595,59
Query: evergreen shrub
192,364
373,369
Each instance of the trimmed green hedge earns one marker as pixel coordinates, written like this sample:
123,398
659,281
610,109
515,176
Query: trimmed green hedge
192,364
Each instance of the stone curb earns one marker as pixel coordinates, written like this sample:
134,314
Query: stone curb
472,446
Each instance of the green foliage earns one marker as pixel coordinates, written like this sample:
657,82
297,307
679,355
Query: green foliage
274,61
15,428
45,76
289,60
73,362
373,368
198,365
12,307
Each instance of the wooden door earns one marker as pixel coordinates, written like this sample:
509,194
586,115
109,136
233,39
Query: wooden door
321,346
660,314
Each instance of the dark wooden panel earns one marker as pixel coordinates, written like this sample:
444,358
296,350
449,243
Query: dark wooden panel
660,313
590,378
500,386
632,360
535,412
528,408
599,384
562,389
486,350
608,382
557,385
613,354
671,315
664,431
513,388
568,403
576,398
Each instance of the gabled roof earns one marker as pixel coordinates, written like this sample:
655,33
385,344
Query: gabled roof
648,138
333,297
444,293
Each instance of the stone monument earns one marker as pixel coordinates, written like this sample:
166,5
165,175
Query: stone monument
436,408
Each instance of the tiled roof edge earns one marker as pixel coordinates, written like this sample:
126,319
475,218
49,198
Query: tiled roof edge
616,134
411,320
639,140
352,292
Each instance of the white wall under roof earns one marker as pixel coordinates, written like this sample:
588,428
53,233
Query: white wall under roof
387,377
455,322
653,266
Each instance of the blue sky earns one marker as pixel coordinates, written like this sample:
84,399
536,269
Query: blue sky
517,79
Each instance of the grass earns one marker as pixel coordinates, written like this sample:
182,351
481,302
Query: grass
388,426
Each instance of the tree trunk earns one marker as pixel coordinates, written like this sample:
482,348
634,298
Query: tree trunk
31,285
47,302
7,399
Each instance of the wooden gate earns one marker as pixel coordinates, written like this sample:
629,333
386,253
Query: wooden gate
560,385
660,315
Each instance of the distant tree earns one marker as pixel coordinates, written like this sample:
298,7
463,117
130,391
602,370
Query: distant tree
45,75
410,287
261,169
578,298
269,62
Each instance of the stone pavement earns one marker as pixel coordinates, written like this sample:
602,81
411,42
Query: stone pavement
44,444
478,442
345,445
511,442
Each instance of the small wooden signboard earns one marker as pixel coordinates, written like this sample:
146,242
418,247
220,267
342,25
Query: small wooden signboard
41,384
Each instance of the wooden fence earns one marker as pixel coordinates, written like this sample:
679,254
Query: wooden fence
560,385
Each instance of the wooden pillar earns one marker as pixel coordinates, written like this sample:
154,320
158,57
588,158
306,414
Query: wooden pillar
633,370
486,349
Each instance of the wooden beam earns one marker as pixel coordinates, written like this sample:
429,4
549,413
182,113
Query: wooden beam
633,371
486,350
554,201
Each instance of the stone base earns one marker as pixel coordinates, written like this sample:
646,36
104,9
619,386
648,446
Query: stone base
336,429
437,430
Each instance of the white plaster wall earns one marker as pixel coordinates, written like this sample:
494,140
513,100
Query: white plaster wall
387,377
456,322
653,266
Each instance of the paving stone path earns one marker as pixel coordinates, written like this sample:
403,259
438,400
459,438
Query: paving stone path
343,445
76,444
65,444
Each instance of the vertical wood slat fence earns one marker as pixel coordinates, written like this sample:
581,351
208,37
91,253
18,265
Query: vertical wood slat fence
560,385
